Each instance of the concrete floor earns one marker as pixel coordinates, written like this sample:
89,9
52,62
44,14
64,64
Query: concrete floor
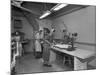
29,64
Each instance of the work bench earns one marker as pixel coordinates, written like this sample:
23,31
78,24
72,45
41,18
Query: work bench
81,56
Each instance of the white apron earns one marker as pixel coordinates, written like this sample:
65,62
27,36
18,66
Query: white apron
37,43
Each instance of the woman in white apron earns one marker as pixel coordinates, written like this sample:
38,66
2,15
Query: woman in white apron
19,46
37,45
46,47
17,51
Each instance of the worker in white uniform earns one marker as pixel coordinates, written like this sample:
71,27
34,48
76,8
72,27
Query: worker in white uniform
47,42
37,45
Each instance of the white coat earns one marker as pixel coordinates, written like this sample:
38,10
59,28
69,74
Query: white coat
37,43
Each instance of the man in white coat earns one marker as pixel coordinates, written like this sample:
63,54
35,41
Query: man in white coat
37,45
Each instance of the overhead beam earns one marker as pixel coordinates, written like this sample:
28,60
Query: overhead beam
25,9
31,21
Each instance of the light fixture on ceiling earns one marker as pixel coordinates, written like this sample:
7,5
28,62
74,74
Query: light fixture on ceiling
58,7
55,8
45,14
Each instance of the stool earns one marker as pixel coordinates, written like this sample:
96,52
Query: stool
68,59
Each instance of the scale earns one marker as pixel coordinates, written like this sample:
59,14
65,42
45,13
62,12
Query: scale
72,48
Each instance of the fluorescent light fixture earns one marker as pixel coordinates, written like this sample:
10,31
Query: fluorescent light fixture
45,14
58,7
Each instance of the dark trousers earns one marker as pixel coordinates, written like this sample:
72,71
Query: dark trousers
38,54
46,53
42,49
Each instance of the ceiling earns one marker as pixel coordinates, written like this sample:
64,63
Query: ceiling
38,8
66,10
